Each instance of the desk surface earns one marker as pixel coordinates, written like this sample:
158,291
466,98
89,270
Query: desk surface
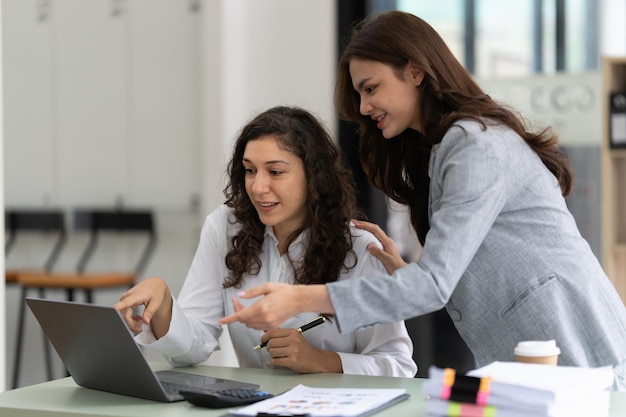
63,397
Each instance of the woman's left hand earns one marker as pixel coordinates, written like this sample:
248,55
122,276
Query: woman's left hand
389,254
280,301
289,349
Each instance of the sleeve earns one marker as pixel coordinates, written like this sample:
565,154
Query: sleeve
469,171
193,334
385,349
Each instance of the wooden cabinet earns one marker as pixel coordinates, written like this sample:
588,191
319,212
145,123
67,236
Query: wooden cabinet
102,102
613,181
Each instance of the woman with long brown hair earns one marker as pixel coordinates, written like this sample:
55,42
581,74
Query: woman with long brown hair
500,251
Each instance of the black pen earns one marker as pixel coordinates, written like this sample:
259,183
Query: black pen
315,322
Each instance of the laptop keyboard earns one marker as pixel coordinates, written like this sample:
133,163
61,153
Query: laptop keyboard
175,381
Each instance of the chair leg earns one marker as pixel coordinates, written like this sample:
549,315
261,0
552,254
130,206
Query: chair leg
46,346
18,342
70,297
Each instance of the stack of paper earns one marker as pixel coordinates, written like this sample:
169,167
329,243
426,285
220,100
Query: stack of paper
511,389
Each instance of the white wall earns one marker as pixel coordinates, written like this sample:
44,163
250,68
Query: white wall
258,54
255,55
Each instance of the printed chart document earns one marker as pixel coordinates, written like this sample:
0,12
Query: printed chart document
326,402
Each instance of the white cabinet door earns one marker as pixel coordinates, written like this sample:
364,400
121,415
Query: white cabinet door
102,102
29,137
164,125
91,99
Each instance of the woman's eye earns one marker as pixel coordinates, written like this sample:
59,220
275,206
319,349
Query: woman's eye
248,171
275,173
370,90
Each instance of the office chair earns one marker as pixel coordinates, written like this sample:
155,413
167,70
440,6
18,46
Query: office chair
97,223
49,221
33,221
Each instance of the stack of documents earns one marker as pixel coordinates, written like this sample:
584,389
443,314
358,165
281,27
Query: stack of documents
511,389
325,402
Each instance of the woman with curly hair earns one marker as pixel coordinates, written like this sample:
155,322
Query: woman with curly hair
289,204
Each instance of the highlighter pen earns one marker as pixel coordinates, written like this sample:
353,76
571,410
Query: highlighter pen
315,322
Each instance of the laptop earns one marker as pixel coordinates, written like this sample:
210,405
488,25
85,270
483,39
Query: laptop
100,352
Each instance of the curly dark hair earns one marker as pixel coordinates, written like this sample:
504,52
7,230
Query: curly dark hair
399,167
331,199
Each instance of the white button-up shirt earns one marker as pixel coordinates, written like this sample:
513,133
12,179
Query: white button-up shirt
193,334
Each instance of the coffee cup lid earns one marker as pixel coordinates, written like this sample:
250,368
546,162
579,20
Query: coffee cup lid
537,348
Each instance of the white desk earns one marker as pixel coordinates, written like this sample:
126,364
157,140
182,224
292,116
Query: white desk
63,397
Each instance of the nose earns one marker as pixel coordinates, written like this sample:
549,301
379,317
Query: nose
260,184
364,107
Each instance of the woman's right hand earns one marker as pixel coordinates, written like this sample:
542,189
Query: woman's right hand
155,296
389,254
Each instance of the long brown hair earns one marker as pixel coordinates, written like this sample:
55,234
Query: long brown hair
399,167
331,199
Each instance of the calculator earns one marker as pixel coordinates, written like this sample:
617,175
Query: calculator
233,397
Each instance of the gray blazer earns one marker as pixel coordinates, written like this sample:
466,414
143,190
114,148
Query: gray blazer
503,255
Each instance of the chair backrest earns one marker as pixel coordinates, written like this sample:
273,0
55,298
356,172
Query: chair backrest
36,220
97,221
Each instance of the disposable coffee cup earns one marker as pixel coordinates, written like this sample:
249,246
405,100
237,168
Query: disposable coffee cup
537,351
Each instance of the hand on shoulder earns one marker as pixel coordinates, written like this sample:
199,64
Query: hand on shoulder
389,255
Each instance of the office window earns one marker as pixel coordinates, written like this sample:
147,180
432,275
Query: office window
446,16
547,37
511,39
504,38
581,35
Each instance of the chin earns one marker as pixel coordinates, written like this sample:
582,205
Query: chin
389,134
266,222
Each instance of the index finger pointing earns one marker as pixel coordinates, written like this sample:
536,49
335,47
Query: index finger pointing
233,318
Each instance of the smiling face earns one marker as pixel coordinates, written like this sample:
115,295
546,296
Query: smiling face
276,185
387,97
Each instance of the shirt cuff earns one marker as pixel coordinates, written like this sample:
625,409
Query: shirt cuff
176,342
352,363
